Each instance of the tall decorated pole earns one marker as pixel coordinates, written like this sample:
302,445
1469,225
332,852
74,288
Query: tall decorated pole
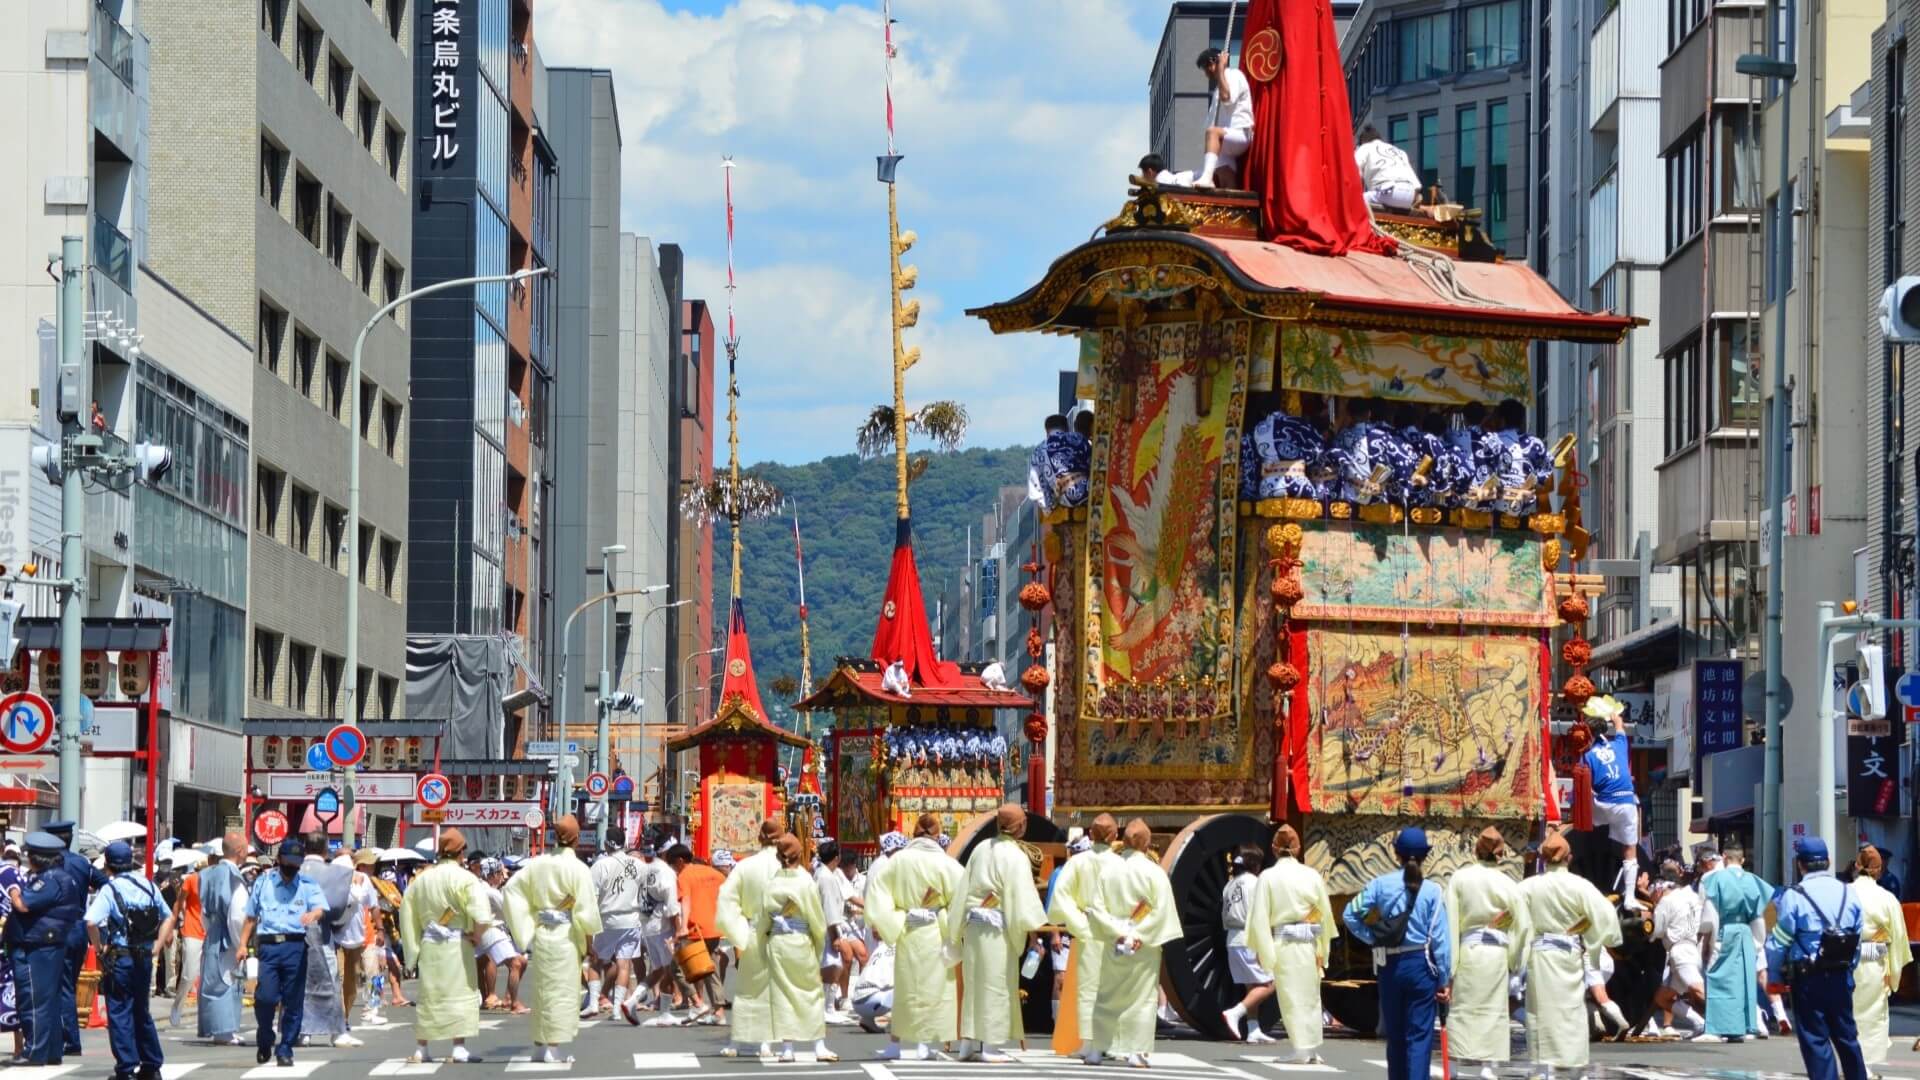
806,646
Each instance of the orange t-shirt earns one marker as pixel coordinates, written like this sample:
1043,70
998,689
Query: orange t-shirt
190,918
700,899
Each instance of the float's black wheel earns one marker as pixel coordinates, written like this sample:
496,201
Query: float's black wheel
1040,830
1194,970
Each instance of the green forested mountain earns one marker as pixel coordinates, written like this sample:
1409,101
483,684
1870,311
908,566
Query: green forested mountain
847,527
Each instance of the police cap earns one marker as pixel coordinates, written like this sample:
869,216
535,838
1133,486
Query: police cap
1810,849
61,829
1412,841
292,853
44,843
120,855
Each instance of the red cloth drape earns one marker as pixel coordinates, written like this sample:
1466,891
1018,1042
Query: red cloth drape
1299,794
1301,161
739,678
1550,793
902,633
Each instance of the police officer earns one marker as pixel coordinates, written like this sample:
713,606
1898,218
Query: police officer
88,879
1815,941
1404,917
281,906
126,922
48,905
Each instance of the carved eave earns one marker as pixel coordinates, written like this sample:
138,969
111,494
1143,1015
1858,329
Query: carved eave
735,719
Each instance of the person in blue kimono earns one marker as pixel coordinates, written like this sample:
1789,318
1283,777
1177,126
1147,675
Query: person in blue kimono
1404,918
1352,455
1289,459
1057,471
223,893
1426,439
1524,464
46,907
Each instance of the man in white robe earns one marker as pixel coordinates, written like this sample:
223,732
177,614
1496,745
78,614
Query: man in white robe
1569,919
909,903
1490,930
552,913
1884,952
1133,917
444,910
1677,924
1290,929
1000,908
740,898
1074,891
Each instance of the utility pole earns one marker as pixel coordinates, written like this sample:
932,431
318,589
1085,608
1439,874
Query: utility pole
608,555
74,402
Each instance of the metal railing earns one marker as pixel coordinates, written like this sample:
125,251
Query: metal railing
112,252
112,43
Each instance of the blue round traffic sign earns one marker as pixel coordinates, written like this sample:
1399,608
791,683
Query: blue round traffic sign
622,788
317,759
345,746
1908,689
597,784
433,791
26,723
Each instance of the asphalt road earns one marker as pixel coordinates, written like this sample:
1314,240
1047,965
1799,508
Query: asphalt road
611,1050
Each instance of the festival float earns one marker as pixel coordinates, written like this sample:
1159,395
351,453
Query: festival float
1233,657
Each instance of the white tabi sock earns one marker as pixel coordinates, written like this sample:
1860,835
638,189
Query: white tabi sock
619,997
1205,176
593,994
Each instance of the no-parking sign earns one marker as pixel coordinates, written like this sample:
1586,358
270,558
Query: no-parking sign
597,784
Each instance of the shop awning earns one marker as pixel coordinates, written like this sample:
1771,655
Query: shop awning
1651,648
96,634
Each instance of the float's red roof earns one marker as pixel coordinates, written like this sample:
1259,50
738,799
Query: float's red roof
740,712
851,684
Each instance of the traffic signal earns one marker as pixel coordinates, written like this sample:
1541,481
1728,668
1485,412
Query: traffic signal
151,461
1900,311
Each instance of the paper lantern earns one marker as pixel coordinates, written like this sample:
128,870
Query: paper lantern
1283,676
1035,679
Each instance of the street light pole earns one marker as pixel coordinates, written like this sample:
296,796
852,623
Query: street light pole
563,783
72,337
607,555
643,699
350,712
686,680
1831,627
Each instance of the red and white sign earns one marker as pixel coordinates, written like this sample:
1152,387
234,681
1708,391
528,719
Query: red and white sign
434,791
390,787
597,784
270,827
27,723
470,814
346,746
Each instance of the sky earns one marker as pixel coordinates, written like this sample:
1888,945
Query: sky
1018,134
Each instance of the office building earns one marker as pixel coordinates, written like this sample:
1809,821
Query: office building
281,177
582,124
693,571
1178,105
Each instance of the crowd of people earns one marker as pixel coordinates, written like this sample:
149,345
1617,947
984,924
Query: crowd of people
796,938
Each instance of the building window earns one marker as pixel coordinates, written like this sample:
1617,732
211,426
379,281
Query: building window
266,662
1425,46
1399,131
336,386
392,284
1429,149
1466,155
1683,397
1496,216
365,554
306,49
369,109
339,84
273,330
389,696
1682,17
390,566
1772,230
1683,193
396,150
273,171
338,221
1896,128
299,671
306,357
273,19
1736,190
390,413
369,394
396,18
366,255
267,485
306,207
1737,392
330,669
334,535
305,501
1492,35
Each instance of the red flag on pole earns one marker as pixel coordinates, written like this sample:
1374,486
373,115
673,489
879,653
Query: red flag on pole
1301,161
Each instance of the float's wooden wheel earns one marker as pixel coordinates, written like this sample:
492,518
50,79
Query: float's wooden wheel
1194,970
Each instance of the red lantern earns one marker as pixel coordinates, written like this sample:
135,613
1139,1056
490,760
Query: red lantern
272,750
1035,679
1283,676
1034,596
413,752
296,752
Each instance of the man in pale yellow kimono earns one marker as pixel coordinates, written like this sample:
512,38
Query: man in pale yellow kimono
1001,907
441,918
1290,928
792,925
1569,919
1073,894
1133,916
1884,951
552,913
1490,930
909,903
741,897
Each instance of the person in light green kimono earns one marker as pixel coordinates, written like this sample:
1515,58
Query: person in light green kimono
441,918
552,913
1290,928
1073,893
1490,930
1000,907
1884,952
1570,922
792,929
740,895
909,904
1133,917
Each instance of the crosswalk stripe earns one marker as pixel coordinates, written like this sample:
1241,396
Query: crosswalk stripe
403,1067
666,1061
1290,1066
876,1071
175,1072
299,1070
1382,1063
39,1072
527,1064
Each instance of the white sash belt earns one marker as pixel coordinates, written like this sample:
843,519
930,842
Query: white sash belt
988,917
1485,935
554,917
1297,931
438,932
1873,950
789,924
1558,942
922,916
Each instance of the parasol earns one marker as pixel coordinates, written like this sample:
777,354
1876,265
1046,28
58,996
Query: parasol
401,854
185,857
120,830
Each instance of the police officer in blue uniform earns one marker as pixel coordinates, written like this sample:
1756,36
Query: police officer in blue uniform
280,907
88,879
44,909
126,922
1814,944
1404,917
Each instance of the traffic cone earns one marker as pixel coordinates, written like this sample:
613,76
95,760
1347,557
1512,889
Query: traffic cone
98,1017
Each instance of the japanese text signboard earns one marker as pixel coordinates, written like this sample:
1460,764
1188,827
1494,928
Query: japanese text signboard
1873,769
470,814
1717,709
445,29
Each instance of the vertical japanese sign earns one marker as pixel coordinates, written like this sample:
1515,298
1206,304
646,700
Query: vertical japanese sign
1717,710
1873,766
445,97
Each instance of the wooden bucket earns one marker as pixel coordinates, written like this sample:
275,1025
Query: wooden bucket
693,959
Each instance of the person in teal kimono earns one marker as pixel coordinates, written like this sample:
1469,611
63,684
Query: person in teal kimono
222,974
1739,899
